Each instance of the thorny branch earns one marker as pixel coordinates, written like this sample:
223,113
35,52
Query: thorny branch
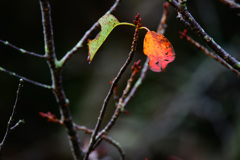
114,82
10,125
193,25
207,52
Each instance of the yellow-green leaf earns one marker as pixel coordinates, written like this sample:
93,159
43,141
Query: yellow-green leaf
108,23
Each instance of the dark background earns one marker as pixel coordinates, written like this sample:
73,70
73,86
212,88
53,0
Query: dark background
190,111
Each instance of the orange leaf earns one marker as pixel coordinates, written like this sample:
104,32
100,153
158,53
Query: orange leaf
159,51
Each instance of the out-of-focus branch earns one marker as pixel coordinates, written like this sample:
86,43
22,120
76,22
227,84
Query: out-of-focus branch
231,4
10,125
193,25
207,52
70,53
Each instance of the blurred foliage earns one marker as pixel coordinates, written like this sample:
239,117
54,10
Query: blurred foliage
190,111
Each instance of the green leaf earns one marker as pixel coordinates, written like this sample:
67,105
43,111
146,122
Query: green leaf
108,23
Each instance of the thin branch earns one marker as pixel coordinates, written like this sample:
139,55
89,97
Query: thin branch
182,9
207,52
106,138
58,91
10,125
114,82
79,45
25,79
23,51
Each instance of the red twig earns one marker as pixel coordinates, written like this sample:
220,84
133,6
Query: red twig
50,117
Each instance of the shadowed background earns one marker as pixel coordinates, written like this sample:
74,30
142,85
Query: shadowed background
190,111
